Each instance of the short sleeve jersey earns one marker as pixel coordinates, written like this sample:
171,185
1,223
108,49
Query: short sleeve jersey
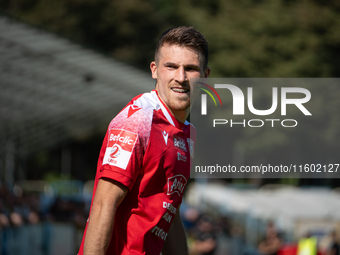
149,151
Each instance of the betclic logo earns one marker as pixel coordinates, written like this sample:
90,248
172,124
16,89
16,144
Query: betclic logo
119,147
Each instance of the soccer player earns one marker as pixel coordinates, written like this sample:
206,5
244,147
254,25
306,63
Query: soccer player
144,162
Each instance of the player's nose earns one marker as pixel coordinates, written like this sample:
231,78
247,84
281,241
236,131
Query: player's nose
181,75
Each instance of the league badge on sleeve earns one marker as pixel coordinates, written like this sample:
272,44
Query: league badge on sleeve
119,148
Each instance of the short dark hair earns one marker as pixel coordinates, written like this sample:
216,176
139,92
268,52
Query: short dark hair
185,37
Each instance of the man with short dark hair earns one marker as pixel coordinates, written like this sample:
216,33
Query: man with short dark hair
144,162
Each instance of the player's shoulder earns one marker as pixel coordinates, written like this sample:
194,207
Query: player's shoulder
146,102
137,115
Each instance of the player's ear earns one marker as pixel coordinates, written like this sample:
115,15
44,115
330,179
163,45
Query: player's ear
153,67
206,72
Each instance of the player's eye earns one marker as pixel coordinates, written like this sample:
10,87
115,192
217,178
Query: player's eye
191,68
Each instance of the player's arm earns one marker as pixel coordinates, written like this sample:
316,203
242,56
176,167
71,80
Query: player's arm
176,241
109,194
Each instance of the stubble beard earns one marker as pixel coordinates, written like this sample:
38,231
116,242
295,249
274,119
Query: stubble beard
180,105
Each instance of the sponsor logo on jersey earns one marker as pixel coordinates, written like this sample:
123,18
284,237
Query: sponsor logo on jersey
159,232
119,148
170,207
176,184
123,139
165,136
181,157
191,147
180,143
167,217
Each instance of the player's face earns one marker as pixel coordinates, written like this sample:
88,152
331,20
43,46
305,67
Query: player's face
176,66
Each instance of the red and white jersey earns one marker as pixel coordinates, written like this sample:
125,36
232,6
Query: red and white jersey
149,151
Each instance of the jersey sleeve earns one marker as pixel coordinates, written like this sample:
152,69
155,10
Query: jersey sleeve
123,148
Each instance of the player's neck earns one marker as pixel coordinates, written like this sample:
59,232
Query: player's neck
181,116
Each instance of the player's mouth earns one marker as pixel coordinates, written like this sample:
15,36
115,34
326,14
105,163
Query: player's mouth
180,90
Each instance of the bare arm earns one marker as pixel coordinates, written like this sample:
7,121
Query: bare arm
176,241
109,194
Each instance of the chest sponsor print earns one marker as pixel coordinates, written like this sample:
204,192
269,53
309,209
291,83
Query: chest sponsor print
176,184
181,157
180,143
119,148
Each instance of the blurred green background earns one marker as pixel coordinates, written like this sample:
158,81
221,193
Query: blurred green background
248,38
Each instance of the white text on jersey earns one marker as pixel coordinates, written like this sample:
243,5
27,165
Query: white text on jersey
122,139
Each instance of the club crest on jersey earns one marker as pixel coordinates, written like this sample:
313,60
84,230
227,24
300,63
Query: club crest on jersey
191,147
176,184
180,143
119,147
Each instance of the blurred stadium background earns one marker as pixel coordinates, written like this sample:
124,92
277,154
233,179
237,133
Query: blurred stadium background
68,67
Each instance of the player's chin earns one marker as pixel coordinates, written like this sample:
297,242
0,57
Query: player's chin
182,105
183,97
